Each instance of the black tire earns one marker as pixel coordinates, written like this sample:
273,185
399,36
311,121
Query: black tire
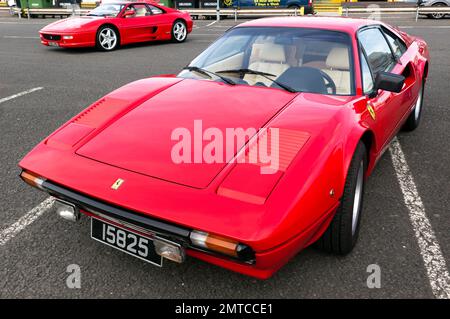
111,34
413,120
179,31
294,6
437,15
342,233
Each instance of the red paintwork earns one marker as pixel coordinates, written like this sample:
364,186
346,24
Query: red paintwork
84,29
277,215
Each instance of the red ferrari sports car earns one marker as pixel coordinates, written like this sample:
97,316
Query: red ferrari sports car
117,23
256,150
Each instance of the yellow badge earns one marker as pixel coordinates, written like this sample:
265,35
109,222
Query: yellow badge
117,184
371,111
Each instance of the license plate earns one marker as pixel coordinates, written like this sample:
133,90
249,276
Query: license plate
53,44
126,241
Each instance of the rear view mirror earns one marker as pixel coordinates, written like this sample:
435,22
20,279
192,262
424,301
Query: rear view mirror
389,82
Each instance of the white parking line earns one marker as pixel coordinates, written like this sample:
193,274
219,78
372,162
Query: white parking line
10,232
208,34
424,26
24,22
430,250
20,94
210,24
18,37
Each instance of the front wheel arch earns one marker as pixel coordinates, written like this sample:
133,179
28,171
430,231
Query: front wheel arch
342,233
425,71
112,26
367,137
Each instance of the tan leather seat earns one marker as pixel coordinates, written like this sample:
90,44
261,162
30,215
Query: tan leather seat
141,12
271,59
338,68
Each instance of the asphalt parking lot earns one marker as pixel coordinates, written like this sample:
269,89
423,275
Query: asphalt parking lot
34,261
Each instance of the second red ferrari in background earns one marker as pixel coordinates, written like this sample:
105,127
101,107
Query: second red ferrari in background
117,23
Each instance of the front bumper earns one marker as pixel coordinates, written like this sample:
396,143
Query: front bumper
260,265
78,40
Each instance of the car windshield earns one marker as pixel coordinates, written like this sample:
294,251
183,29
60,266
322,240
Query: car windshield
107,10
293,59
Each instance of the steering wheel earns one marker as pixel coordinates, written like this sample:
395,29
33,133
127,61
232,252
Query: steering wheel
330,83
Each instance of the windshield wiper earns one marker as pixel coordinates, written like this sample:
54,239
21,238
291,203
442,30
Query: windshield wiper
208,73
263,74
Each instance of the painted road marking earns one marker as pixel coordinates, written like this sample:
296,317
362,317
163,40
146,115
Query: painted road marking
425,27
18,37
20,94
10,232
24,22
430,250
210,24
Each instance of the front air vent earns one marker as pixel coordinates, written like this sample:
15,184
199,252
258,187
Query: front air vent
52,37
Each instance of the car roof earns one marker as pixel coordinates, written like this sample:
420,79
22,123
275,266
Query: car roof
349,25
129,2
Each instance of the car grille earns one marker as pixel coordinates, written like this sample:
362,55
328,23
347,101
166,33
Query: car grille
53,37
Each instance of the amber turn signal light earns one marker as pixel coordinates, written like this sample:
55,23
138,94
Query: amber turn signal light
32,179
223,245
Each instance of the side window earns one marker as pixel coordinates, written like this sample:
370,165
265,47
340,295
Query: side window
156,10
140,9
397,45
367,78
378,52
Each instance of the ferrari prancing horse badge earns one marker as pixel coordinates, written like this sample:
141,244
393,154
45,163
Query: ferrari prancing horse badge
371,110
117,184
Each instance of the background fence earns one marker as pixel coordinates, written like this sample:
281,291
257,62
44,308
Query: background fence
237,13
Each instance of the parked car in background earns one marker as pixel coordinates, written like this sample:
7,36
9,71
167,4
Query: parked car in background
307,4
117,23
435,3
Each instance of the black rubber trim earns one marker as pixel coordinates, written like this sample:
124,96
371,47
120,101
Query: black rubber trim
93,205
169,231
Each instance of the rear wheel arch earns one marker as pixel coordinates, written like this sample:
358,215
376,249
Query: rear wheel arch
173,31
180,19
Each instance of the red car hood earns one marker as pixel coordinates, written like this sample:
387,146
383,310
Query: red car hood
141,140
69,24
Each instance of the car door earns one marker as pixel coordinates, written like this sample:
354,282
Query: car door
404,56
386,108
162,22
138,27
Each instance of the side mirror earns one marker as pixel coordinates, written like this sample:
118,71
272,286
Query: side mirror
389,82
129,13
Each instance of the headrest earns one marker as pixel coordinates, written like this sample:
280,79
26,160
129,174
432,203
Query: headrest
141,11
272,52
338,58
